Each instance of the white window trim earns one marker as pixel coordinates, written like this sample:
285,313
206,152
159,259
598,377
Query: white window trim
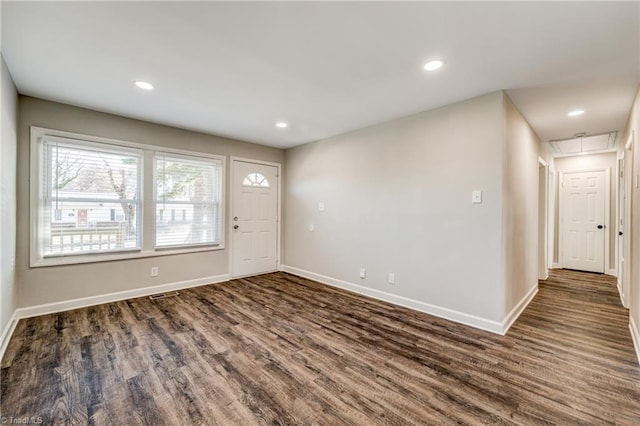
35,168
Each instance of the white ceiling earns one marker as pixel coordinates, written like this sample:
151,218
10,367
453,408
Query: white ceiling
234,69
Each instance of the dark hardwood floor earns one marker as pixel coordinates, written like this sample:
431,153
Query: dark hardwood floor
279,349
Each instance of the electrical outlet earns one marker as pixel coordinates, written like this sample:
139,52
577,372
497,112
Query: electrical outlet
392,278
321,206
155,271
363,273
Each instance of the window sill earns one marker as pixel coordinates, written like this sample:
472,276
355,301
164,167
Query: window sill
108,257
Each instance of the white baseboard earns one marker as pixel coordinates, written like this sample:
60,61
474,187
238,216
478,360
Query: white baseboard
518,309
612,272
438,311
619,285
635,335
7,333
51,308
556,266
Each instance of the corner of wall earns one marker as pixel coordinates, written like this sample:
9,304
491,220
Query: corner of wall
8,196
521,150
503,235
633,124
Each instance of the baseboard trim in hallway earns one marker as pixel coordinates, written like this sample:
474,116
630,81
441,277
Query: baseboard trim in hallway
439,311
635,336
519,309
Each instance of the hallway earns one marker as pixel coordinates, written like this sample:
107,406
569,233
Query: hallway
577,334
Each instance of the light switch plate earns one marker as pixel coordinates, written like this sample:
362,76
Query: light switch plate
476,197
321,206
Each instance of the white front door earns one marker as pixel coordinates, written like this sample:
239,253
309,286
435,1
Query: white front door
583,225
254,218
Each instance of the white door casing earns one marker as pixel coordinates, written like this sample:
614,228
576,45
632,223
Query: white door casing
621,227
254,218
624,281
583,221
543,271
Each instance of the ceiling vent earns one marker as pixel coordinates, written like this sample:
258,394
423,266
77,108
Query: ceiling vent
582,143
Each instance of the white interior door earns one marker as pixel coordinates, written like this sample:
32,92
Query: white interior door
254,218
583,221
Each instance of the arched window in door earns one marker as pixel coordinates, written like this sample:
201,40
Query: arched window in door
255,179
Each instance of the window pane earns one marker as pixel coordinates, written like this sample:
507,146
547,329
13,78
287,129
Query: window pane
91,198
83,227
78,172
187,200
255,179
185,224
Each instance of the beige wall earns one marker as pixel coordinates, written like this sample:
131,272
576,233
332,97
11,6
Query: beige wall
588,162
9,103
59,283
633,125
522,148
398,199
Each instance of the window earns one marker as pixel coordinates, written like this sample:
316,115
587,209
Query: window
82,183
191,184
87,199
255,179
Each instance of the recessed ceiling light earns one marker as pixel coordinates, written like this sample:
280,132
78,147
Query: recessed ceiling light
282,125
575,113
144,85
433,65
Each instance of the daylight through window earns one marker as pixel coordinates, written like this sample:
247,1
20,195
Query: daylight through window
255,179
187,200
91,198
96,199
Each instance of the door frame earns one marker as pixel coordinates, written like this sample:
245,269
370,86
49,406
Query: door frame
607,211
620,208
278,166
551,217
626,222
543,234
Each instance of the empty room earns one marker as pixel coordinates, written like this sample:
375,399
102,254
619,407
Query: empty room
363,213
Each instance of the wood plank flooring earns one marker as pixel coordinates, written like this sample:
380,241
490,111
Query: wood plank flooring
278,349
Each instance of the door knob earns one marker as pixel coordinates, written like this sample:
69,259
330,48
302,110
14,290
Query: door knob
600,226
235,227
